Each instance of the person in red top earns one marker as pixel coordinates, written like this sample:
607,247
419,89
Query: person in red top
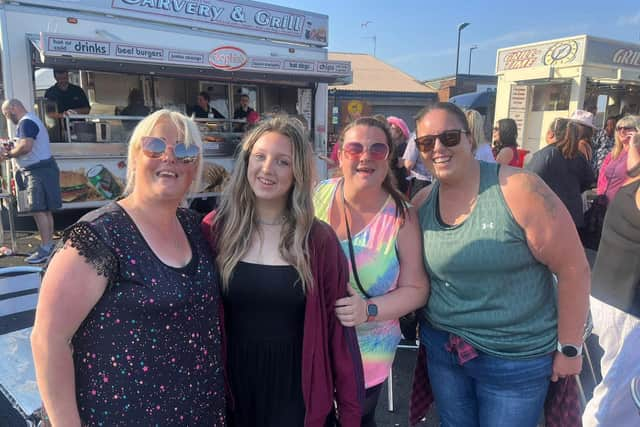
504,140
288,358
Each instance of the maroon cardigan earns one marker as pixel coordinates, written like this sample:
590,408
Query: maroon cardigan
331,363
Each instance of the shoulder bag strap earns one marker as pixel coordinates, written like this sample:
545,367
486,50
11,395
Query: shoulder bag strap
351,251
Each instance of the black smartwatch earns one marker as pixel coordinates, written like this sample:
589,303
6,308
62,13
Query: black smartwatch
372,311
569,350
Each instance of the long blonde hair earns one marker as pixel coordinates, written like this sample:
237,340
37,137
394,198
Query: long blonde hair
186,127
236,219
476,126
624,122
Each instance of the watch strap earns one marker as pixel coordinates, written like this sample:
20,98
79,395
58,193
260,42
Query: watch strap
569,348
371,307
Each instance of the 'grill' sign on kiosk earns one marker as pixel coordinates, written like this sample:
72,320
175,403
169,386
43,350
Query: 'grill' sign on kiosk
541,81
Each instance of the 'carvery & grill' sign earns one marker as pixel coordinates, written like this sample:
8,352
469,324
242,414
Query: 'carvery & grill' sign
237,17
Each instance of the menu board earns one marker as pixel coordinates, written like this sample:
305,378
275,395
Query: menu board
226,58
518,100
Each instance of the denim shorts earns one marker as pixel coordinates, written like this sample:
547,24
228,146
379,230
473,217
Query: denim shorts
487,390
40,186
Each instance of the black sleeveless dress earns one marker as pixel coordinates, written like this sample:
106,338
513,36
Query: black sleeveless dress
264,319
149,352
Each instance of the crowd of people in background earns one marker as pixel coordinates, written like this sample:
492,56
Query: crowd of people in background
281,307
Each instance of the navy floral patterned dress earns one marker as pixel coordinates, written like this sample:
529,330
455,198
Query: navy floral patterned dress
149,352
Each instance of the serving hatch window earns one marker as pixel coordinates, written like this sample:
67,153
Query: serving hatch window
551,97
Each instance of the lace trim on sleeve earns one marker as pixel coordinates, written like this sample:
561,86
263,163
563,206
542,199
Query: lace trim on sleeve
86,241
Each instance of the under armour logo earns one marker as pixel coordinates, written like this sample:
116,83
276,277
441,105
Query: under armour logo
487,225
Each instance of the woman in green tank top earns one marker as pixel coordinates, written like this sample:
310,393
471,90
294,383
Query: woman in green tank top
493,238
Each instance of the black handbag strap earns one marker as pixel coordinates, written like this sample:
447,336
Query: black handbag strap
351,251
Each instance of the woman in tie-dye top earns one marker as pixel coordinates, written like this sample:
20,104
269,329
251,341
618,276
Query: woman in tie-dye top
386,240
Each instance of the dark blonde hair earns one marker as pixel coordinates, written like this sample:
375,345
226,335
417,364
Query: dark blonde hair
236,219
476,126
388,184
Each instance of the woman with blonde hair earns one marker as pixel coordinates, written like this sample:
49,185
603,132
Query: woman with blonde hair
131,286
481,148
613,172
288,357
380,234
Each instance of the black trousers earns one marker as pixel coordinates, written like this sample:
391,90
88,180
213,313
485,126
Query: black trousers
368,409
371,397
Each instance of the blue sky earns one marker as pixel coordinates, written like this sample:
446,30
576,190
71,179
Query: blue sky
419,37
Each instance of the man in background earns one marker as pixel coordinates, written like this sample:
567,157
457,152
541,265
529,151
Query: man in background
244,110
69,98
36,173
203,110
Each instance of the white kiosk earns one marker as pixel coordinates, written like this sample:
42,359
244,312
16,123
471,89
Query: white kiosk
541,81
170,51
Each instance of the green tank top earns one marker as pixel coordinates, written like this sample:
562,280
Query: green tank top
486,286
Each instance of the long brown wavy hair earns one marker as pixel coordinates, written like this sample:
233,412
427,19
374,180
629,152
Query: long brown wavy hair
568,135
388,184
236,219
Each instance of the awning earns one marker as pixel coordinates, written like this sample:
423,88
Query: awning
474,100
225,62
613,82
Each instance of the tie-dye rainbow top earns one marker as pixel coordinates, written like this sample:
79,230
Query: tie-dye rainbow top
378,268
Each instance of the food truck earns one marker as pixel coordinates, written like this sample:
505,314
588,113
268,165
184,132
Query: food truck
541,81
170,51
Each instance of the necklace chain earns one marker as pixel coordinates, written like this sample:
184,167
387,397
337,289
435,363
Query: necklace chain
278,221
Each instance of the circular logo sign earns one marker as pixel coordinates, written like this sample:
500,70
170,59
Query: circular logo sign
354,107
227,58
561,53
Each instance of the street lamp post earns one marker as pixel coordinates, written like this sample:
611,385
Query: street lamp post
475,46
460,28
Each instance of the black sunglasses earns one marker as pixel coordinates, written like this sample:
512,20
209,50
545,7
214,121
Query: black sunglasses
155,148
448,138
626,128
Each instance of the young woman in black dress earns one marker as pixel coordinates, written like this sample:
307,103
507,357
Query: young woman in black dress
288,357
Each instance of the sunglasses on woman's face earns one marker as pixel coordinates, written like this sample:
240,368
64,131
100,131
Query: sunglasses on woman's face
626,129
448,138
155,148
355,150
